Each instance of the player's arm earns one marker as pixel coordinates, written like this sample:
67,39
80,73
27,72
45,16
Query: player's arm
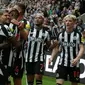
80,54
54,51
81,51
21,26
3,45
24,33
12,40
24,29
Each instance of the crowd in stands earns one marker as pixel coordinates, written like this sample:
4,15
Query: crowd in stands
53,10
50,7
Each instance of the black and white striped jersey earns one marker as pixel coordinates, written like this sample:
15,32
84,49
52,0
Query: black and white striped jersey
70,47
21,54
7,28
13,28
4,53
36,41
4,33
80,28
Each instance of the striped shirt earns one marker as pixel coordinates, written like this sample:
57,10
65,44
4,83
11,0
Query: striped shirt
7,28
13,28
36,41
21,54
4,53
70,47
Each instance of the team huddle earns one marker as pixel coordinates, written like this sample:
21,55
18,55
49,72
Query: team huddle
22,48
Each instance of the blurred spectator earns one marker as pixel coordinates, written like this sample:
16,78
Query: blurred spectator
77,5
60,25
61,8
80,25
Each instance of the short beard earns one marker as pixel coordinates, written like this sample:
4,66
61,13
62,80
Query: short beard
38,25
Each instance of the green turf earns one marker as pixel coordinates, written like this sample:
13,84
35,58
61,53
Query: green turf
46,81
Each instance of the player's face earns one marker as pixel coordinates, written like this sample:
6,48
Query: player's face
5,18
69,23
13,15
38,20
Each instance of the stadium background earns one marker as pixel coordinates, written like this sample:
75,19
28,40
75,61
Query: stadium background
50,70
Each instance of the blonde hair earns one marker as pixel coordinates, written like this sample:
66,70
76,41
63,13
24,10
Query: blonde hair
73,17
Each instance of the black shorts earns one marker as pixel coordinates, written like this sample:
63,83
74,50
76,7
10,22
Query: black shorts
18,74
18,64
34,68
9,80
6,55
17,69
4,74
68,73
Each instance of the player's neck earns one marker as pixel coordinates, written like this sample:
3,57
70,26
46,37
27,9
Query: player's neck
38,27
69,30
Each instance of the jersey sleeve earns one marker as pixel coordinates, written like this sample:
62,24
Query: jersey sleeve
8,31
27,24
13,28
80,39
47,37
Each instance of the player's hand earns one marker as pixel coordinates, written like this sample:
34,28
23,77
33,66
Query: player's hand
21,26
75,61
54,43
49,61
14,21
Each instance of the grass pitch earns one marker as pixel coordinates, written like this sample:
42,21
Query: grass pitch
46,81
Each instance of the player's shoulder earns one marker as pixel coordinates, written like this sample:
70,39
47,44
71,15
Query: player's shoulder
62,32
6,26
25,20
77,32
